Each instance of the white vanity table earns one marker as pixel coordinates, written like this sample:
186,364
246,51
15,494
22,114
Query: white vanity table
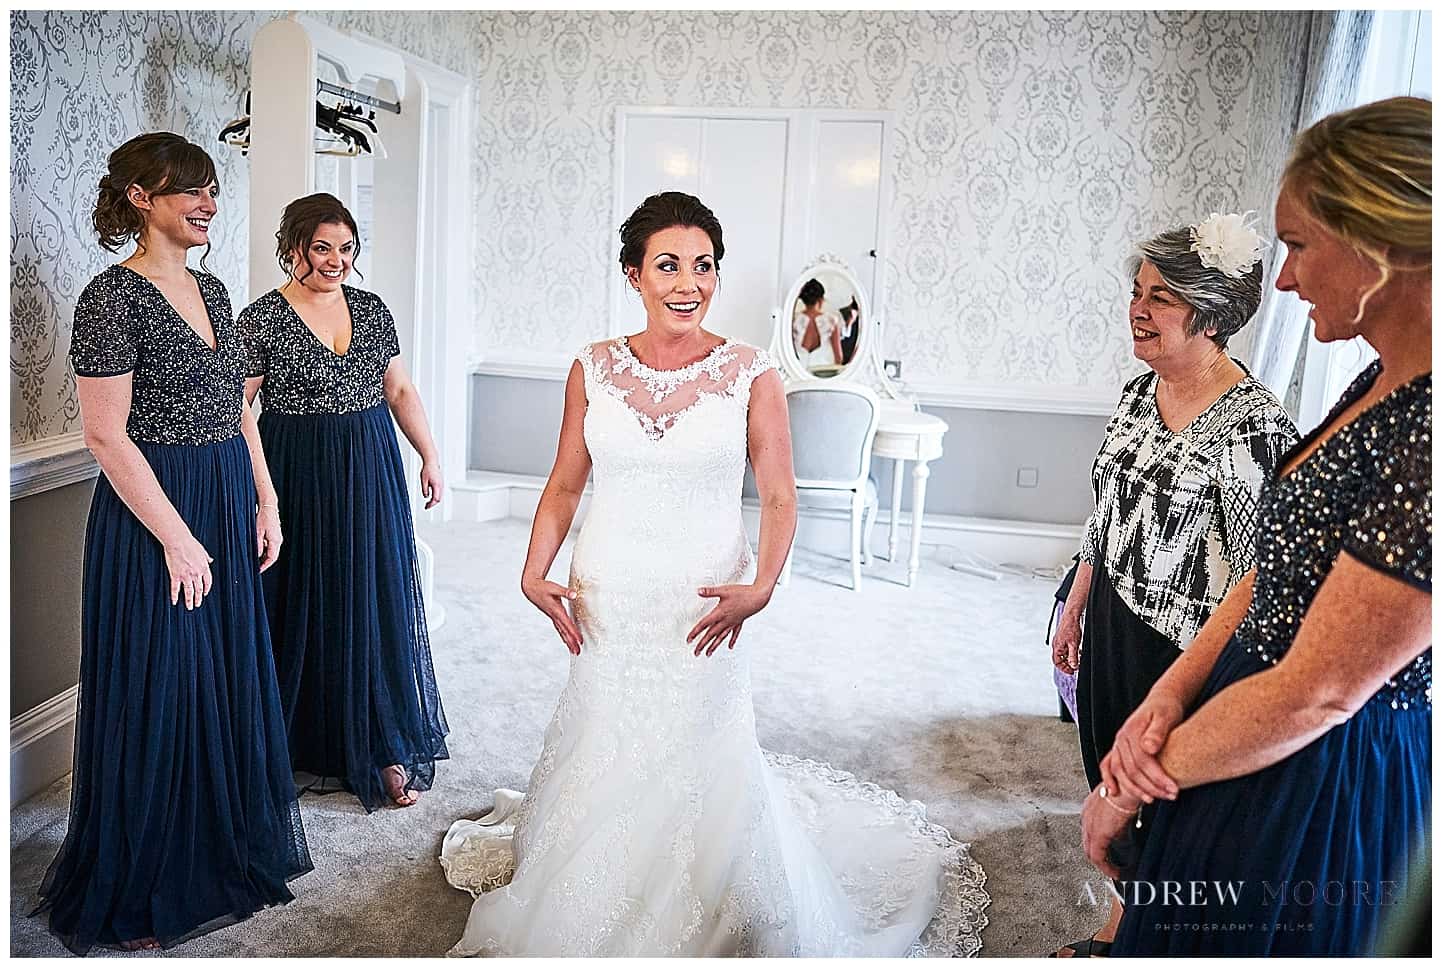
903,433
906,434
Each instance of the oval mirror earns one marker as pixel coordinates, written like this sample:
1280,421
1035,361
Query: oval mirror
823,319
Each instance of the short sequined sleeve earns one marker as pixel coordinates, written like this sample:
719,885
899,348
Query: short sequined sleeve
389,342
102,341
1391,526
254,329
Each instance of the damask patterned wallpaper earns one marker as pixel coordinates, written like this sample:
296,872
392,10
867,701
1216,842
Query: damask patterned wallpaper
1032,150
82,82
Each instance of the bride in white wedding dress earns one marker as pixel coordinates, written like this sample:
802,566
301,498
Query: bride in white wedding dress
653,823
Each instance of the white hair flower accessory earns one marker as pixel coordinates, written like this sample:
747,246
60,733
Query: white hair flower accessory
1227,243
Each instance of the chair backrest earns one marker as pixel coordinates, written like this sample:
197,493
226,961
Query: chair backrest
832,429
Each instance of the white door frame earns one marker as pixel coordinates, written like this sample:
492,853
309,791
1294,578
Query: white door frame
437,356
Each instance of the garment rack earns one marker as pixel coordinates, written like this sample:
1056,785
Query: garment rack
326,87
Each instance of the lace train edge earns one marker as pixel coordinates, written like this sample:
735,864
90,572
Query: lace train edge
955,929
485,862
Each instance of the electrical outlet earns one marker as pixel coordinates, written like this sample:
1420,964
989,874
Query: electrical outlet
892,368
1027,476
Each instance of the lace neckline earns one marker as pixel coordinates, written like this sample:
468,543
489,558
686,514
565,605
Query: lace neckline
659,398
679,374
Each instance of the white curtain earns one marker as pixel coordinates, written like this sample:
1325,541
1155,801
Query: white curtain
1336,45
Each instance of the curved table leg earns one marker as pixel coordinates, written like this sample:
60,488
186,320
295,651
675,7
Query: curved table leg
897,467
919,474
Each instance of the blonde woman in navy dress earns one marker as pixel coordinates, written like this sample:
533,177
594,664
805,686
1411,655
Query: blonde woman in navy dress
347,620
183,814
1290,748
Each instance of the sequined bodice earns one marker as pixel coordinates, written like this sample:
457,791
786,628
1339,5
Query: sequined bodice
182,391
1366,490
302,374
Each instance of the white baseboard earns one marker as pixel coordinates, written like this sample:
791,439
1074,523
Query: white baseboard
494,495
491,496
480,497
1022,543
43,465
42,745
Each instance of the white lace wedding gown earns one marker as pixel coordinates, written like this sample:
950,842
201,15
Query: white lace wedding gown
824,354
653,823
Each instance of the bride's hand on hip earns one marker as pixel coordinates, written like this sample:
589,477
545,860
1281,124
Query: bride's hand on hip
737,604
551,599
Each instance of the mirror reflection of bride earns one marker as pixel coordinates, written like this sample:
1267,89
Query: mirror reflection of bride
815,331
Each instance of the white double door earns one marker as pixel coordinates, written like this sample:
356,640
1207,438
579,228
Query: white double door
785,185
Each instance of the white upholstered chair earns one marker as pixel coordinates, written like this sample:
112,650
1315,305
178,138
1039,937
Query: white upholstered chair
832,428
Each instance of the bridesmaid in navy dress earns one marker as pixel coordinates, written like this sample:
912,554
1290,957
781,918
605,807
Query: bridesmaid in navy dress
347,620
1290,746
183,814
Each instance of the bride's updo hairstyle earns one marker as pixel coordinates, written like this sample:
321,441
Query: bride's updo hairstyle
162,163
666,210
1366,175
812,292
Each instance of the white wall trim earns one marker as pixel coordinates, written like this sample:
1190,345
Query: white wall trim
42,743
43,465
1000,540
492,496
1081,401
522,368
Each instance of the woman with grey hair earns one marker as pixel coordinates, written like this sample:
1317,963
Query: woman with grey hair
1176,484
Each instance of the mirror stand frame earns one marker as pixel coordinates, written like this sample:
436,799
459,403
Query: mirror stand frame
865,367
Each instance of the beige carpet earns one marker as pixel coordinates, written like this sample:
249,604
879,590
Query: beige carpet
941,692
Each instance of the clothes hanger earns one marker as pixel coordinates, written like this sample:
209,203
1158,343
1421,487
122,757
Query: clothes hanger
353,112
236,132
334,147
344,123
237,127
374,141
329,119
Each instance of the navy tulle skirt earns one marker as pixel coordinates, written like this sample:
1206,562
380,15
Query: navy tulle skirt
183,814
1309,856
347,621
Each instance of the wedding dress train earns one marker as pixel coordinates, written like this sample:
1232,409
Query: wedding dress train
653,823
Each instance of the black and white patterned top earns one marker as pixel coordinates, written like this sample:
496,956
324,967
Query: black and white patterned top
182,391
1176,512
302,374
1366,490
